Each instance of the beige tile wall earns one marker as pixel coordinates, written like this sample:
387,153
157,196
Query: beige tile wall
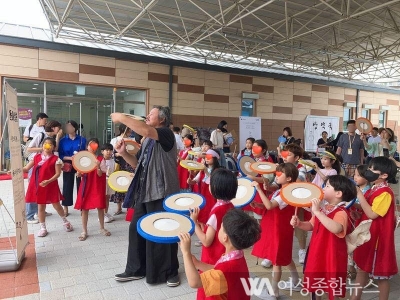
200,98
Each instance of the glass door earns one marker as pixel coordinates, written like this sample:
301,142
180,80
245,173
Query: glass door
62,111
104,121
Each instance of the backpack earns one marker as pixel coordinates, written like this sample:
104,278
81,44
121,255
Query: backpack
25,149
29,133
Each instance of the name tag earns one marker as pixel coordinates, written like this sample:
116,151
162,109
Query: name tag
349,151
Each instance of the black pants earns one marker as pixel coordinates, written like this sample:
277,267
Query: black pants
68,187
158,262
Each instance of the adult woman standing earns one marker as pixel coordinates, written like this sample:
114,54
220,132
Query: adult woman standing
69,146
386,147
323,141
124,133
289,139
217,138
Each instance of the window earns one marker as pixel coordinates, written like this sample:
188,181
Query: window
248,108
347,115
366,113
382,118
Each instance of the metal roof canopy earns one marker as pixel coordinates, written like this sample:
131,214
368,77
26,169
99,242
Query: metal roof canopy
347,39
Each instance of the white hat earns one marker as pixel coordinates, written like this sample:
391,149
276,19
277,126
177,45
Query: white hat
359,236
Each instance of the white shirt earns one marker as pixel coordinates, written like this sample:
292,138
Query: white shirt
110,166
36,142
179,143
282,204
34,131
372,139
118,138
217,138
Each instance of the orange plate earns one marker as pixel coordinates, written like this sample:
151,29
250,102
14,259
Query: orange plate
300,194
263,167
364,125
84,162
131,146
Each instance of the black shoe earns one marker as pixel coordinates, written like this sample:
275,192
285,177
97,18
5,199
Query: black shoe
126,277
173,281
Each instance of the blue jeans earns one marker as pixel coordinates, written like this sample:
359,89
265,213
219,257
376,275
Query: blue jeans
31,208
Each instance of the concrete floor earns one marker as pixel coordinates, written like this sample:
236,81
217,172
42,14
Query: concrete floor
70,269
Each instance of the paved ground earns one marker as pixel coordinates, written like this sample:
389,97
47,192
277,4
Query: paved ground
71,269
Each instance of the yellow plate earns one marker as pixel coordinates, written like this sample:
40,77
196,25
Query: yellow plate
192,165
190,128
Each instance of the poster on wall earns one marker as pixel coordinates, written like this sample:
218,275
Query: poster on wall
21,227
314,127
24,117
249,127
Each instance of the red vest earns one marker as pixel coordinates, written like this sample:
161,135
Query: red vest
183,174
276,240
381,243
234,270
326,260
257,198
210,200
92,191
48,194
213,253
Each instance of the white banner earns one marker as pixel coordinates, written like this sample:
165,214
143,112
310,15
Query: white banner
16,170
249,127
314,126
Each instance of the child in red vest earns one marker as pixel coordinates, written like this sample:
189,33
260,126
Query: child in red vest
291,154
260,153
247,151
276,240
43,187
92,192
223,187
183,174
325,269
376,259
202,179
226,278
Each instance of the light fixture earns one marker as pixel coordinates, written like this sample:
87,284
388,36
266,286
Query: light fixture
368,106
350,104
34,88
33,101
36,84
122,91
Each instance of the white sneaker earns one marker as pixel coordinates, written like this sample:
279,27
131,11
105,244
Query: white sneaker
266,263
266,296
47,215
290,286
108,218
302,256
33,221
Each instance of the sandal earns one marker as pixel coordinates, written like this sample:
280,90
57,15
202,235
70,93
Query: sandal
105,232
118,213
42,232
351,275
83,236
68,227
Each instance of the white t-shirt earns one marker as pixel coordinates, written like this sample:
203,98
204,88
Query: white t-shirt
110,166
36,142
118,138
217,138
34,131
179,143
278,199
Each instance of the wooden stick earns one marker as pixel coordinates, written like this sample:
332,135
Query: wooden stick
126,128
